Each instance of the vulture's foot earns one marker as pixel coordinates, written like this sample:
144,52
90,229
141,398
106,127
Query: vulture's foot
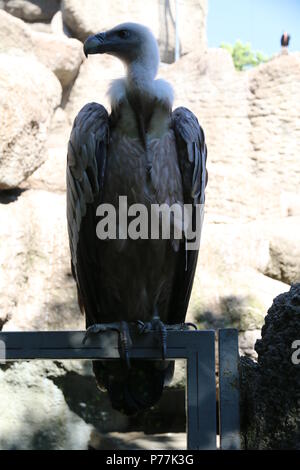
158,327
122,329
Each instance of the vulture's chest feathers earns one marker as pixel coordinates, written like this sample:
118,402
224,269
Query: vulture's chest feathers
142,156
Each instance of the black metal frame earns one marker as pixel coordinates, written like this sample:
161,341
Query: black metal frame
197,347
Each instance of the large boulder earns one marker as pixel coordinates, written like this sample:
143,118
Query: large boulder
32,10
60,54
51,176
15,36
34,412
284,251
63,56
38,291
270,387
29,94
284,262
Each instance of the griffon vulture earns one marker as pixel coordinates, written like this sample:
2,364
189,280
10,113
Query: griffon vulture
285,39
152,155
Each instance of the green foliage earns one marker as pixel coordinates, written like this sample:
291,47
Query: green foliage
243,56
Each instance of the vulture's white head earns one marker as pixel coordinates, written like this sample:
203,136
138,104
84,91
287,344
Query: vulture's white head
133,44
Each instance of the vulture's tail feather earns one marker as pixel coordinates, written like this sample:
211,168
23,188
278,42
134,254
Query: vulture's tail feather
136,389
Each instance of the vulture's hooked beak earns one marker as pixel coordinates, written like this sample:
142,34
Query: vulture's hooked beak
97,44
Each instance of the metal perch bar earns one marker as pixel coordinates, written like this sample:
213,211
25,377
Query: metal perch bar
197,347
229,396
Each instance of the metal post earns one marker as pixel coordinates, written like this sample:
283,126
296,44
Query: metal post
229,406
201,394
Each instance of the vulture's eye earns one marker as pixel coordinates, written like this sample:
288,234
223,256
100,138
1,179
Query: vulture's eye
124,34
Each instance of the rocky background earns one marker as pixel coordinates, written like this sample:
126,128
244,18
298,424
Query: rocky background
250,244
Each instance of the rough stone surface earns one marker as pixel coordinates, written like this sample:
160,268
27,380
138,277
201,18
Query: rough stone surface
271,387
32,10
34,413
60,54
274,105
40,27
15,36
37,289
51,176
284,251
29,93
63,56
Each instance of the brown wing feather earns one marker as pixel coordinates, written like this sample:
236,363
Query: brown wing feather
192,155
86,165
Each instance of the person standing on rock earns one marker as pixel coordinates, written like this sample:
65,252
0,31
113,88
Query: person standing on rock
285,39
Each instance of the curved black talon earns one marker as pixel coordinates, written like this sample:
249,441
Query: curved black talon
125,343
124,338
158,327
93,330
141,326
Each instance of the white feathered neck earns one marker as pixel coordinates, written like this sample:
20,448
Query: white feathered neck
141,73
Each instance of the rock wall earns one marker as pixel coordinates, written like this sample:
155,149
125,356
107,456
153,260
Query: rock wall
26,109
62,55
31,10
250,123
274,107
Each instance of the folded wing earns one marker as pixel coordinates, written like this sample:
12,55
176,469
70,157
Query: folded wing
86,163
192,155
